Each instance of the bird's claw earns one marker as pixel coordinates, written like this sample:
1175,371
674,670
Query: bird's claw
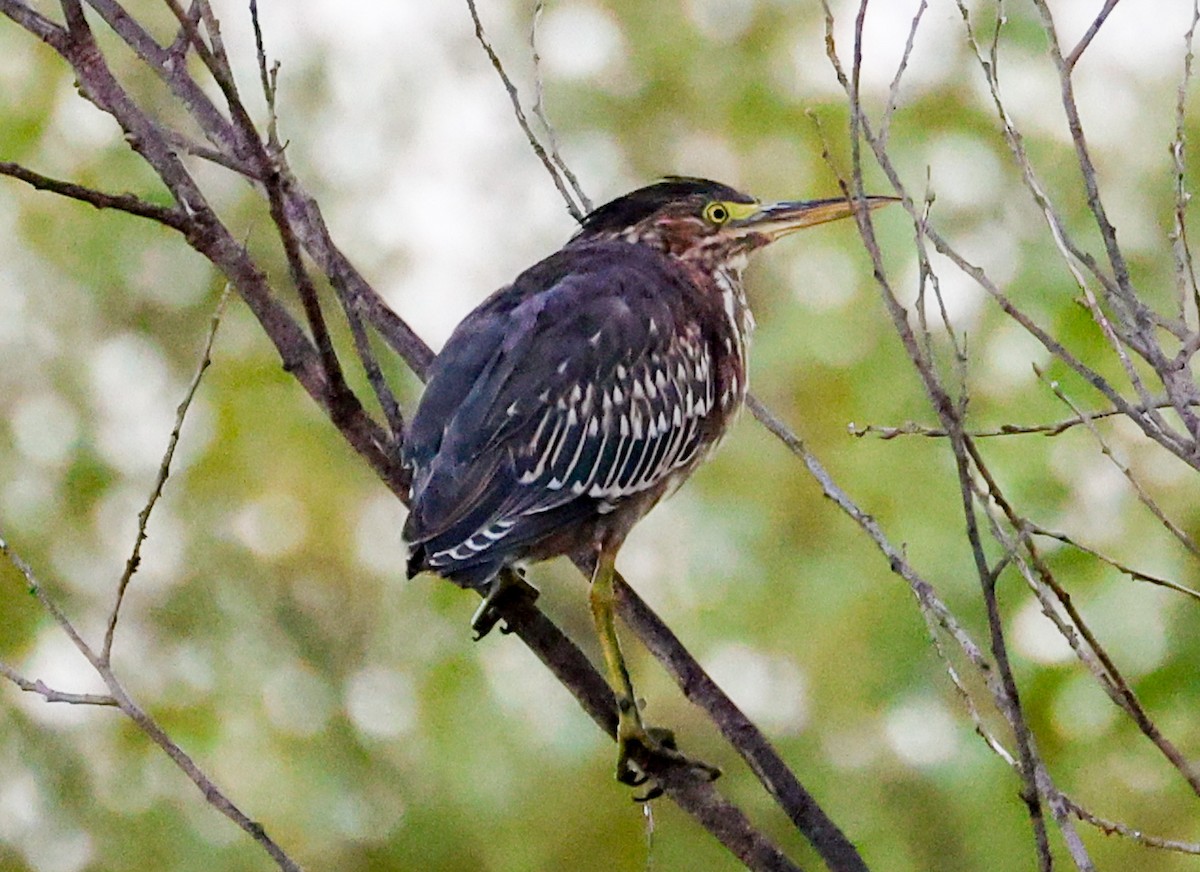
656,743
506,587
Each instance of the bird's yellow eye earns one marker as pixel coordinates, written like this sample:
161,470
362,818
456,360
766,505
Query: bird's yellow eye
716,213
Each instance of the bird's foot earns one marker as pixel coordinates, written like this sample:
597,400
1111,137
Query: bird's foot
635,741
505,588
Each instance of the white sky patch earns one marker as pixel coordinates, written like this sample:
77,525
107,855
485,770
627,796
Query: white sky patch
579,41
381,703
22,804
362,818
524,689
131,391
1008,356
1081,710
922,732
708,155
272,526
823,279
377,540
964,172
56,661
1036,637
83,128
770,688
721,20
28,497
960,294
14,317
1100,494
298,701
45,427
1130,619
58,849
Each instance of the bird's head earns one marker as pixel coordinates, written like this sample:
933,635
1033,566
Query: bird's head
698,219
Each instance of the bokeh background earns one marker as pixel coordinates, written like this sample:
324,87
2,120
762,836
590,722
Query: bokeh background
270,629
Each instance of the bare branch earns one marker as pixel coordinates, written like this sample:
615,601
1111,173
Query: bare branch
1169,439
539,111
1114,828
1139,324
1102,666
164,471
1142,494
911,428
52,695
1135,574
780,782
948,413
1077,52
894,88
173,218
43,28
212,794
1185,269
164,63
577,211
383,392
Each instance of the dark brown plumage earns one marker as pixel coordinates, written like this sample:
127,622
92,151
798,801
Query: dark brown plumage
569,402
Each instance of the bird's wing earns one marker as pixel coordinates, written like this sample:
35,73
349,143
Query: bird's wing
580,393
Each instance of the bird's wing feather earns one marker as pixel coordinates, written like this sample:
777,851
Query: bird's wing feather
565,393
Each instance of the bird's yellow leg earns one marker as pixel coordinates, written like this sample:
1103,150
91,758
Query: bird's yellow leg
631,732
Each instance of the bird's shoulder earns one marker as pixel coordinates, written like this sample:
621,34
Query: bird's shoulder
586,306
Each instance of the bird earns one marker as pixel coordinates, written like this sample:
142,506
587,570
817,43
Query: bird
571,401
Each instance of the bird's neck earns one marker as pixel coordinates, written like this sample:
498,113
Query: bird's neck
728,277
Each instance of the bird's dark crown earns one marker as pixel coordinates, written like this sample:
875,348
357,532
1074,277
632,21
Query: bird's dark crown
635,207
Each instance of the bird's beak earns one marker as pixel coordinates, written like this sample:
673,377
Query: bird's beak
776,220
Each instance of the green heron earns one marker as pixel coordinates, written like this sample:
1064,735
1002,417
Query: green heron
567,404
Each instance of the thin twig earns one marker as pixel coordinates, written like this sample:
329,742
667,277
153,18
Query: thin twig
577,211
339,398
946,409
1142,494
1134,412
49,694
539,111
1077,52
1135,574
379,385
1142,838
1093,654
922,589
1071,253
894,89
911,428
1185,269
1138,325
164,471
167,215
212,794
268,78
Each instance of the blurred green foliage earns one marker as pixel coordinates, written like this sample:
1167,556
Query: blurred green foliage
270,630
